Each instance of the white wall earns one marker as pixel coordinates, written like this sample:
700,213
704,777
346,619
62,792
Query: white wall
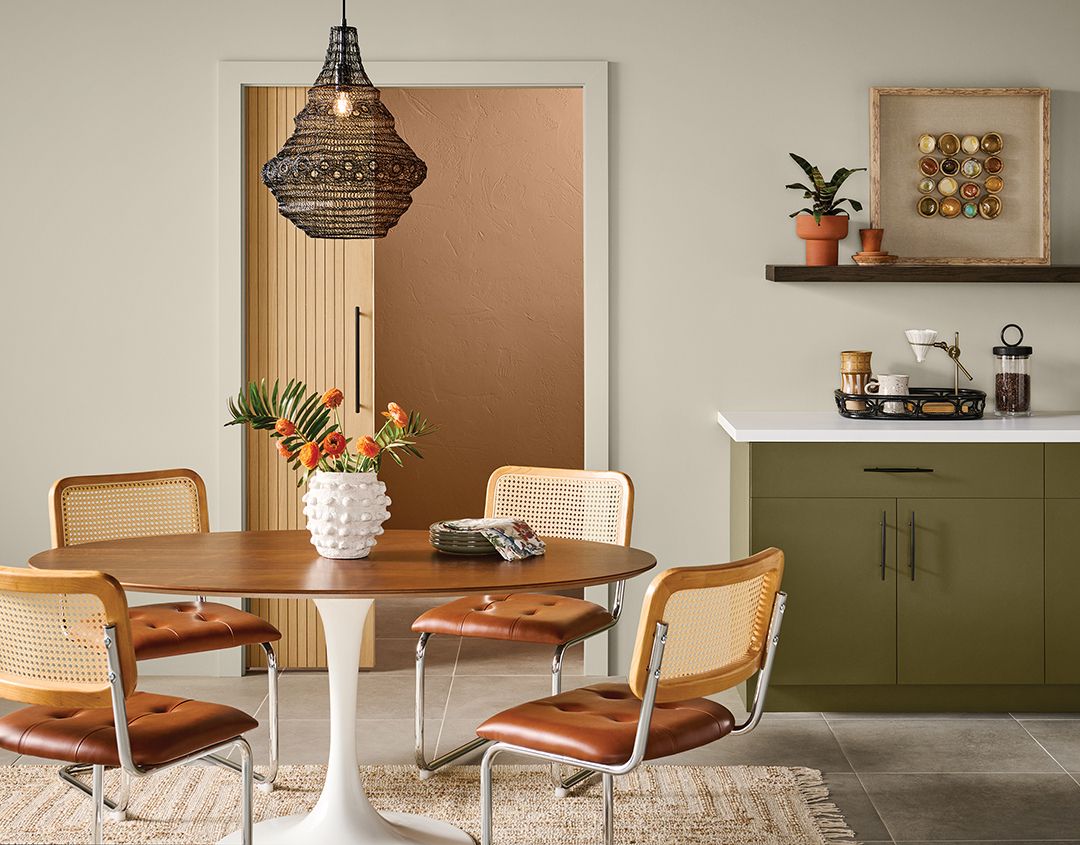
108,332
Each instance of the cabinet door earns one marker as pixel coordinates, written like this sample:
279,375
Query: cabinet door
1062,591
970,591
840,577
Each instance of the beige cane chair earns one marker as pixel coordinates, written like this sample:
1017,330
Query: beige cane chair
93,508
703,630
569,503
66,649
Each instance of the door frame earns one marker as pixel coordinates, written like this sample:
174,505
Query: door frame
592,77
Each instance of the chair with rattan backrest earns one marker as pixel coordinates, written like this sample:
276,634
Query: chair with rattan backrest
120,506
66,650
703,630
572,504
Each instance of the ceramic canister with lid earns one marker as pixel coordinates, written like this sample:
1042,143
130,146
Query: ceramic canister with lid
1012,376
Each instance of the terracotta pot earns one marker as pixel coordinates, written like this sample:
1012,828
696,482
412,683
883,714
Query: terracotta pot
822,240
871,239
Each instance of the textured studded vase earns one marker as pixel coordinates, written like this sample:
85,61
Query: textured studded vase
345,512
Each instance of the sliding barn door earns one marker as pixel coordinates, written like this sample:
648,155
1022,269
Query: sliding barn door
301,321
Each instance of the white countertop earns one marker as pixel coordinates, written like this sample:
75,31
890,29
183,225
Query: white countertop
830,427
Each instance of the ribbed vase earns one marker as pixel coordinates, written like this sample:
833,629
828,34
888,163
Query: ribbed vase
345,512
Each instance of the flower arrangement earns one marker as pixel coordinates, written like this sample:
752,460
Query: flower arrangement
308,428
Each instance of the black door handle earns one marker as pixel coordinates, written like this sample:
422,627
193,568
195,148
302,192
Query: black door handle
897,469
356,382
884,544
911,525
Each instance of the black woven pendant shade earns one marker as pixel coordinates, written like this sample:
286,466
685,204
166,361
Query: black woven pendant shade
344,172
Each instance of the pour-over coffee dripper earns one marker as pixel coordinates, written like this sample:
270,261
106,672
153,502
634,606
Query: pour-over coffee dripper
923,340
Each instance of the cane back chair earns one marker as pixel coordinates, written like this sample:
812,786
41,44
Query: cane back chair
703,630
94,508
568,503
66,650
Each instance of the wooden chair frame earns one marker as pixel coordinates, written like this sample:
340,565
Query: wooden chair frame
121,682
69,774
625,521
646,673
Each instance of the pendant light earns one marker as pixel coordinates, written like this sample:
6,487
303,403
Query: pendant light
344,172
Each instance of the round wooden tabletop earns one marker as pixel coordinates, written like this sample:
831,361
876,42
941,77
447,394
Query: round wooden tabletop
284,563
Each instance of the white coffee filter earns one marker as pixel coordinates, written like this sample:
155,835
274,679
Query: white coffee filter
920,340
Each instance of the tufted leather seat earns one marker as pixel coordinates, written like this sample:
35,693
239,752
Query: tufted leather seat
166,630
597,724
161,727
515,617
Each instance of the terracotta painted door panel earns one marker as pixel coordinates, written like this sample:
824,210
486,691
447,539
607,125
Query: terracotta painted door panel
840,577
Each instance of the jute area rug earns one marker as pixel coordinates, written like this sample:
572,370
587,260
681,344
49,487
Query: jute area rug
656,805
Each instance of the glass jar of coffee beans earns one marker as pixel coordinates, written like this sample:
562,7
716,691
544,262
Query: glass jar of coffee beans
1012,376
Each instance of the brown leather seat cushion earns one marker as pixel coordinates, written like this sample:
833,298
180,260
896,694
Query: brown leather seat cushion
597,724
162,728
166,630
517,617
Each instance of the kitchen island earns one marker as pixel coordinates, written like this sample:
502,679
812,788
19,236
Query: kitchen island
931,565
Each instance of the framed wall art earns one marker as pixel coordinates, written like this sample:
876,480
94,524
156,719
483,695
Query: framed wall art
961,175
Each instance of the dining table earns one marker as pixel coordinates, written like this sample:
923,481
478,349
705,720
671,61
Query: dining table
284,564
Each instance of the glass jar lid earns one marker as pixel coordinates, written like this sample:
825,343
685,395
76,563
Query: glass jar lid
1012,350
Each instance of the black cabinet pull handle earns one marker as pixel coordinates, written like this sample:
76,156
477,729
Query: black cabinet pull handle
911,524
883,544
897,469
356,382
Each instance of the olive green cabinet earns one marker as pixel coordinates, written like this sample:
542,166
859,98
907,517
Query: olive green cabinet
1063,591
970,593
841,629
922,576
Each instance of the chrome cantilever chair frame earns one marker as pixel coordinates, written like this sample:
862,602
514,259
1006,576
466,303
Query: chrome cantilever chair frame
562,785
641,738
128,765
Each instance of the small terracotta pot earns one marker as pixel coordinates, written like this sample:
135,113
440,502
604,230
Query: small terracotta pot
871,239
822,240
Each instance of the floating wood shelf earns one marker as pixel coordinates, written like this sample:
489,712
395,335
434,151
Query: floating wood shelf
925,273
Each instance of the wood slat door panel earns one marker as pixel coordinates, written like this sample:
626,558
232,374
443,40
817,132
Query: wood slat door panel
300,299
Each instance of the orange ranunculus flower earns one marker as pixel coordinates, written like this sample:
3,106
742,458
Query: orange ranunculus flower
309,455
334,444
333,398
367,447
284,451
396,413
284,427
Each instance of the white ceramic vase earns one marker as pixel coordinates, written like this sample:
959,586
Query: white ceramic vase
345,512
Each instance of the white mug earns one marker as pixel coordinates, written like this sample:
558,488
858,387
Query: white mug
889,385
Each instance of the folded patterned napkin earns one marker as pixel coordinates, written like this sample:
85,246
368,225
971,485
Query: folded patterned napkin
512,538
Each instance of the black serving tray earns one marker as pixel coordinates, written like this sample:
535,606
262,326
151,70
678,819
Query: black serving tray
923,403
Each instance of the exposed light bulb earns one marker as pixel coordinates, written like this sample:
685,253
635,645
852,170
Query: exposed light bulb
342,105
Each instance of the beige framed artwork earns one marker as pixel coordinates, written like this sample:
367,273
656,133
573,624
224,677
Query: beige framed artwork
961,175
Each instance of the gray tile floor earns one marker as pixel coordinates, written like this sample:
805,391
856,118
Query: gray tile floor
898,778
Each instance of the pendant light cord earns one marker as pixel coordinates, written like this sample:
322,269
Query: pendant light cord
343,23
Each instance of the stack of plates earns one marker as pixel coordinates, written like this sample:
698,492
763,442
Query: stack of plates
460,542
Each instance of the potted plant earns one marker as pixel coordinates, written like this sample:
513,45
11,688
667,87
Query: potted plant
824,224
346,503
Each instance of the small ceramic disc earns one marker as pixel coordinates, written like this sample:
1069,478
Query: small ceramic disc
927,206
949,144
950,207
990,207
928,166
970,144
971,209
927,144
947,186
994,165
950,166
994,184
992,143
970,191
971,168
